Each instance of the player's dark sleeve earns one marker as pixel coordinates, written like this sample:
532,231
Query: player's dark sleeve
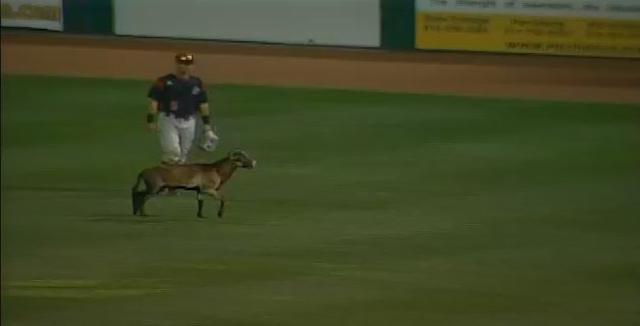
202,97
156,90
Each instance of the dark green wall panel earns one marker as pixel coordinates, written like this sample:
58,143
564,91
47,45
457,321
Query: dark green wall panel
398,24
88,16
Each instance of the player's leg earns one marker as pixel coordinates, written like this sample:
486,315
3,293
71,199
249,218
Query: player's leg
187,133
169,139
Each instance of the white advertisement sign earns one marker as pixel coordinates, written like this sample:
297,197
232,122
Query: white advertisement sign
326,22
41,14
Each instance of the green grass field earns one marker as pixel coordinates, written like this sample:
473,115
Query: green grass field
365,209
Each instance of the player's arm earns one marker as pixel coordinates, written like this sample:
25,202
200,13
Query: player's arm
152,114
205,114
209,138
154,95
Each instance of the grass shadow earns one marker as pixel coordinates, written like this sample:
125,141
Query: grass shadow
126,219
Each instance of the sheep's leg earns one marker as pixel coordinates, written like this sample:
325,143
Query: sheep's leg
200,204
143,200
144,196
134,201
221,208
136,195
217,195
137,200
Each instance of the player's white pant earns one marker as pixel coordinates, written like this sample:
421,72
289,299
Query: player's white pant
176,137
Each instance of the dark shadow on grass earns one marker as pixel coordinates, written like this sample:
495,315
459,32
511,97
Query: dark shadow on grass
126,219
234,223
61,189
139,220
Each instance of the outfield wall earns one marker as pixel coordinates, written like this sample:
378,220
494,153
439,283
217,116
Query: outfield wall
595,28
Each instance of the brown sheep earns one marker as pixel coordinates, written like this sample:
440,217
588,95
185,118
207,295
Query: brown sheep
207,179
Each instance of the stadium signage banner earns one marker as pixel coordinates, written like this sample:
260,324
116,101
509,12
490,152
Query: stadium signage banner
41,14
565,27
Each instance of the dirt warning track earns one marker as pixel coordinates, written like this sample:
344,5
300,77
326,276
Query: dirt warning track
492,75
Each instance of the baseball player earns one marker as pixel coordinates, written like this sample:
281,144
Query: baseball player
176,100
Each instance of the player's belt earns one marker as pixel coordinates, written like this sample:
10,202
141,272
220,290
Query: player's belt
185,117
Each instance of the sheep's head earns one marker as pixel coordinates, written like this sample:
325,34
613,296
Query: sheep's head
241,159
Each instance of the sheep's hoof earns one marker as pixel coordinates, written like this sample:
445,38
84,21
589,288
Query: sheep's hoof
201,216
